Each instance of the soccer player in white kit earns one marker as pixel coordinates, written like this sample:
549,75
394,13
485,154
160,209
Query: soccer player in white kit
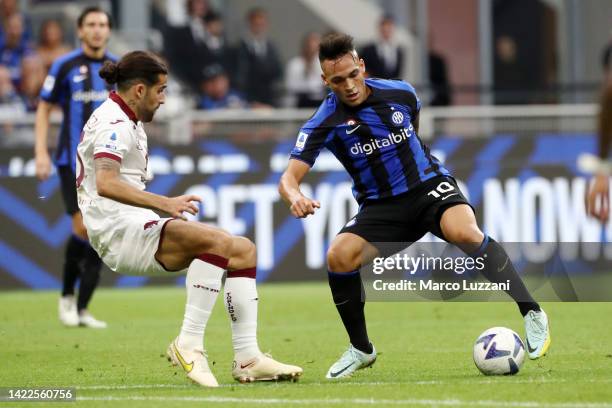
132,239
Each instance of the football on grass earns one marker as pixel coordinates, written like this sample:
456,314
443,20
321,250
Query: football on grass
499,351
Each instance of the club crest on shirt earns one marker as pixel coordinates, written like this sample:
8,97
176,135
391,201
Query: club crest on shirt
397,117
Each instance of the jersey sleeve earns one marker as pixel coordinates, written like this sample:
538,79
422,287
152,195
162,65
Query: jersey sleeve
112,143
313,135
411,99
51,90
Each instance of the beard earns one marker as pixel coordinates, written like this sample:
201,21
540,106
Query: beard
147,116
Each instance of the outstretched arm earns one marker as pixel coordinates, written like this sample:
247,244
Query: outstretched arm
110,185
289,189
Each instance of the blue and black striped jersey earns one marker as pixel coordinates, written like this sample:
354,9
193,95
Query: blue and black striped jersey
376,141
73,83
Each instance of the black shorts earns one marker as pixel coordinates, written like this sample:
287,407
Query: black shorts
69,194
407,217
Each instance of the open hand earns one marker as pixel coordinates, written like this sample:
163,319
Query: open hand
177,206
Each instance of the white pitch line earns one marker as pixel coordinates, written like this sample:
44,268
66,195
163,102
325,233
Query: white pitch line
505,381
360,401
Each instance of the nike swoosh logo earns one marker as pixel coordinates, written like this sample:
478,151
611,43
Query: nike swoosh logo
450,195
249,364
504,266
337,373
79,78
531,350
186,366
348,132
117,121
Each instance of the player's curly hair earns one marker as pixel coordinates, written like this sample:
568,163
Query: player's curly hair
334,46
134,67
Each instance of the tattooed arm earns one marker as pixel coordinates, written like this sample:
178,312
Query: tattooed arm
110,185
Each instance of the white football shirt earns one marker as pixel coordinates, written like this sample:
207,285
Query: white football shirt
111,132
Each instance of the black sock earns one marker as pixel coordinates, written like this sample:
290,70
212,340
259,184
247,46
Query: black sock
499,269
90,275
348,293
75,247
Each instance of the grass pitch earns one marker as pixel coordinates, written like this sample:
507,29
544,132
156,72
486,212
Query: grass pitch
425,352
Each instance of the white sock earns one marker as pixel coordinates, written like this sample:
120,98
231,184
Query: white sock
241,304
203,283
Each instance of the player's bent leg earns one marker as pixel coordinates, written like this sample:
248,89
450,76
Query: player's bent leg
241,302
91,265
348,252
344,258
242,254
75,250
183,241
459,227
202,249
78,227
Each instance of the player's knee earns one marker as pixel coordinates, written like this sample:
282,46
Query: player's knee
245,248
471,235
80,231
222,244
339,260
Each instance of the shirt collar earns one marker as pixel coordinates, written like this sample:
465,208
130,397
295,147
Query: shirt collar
124,107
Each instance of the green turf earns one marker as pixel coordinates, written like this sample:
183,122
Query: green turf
425,352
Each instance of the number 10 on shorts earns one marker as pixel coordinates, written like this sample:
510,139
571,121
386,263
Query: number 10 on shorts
442,188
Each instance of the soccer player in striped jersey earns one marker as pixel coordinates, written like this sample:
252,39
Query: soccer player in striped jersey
74,84
371,126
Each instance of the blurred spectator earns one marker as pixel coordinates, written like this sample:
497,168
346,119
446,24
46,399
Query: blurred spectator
303,81
384,58
51,43
438,76
9,99
33,73
438,80
9,8
510,76
197,10
258,66
186,46
11,106
607,61
14,49
216,91
216,44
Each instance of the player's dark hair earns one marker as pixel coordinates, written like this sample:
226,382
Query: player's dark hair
255,11
93,9
134,67
386,18
334,46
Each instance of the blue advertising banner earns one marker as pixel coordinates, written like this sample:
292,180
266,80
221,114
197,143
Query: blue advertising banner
524,189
